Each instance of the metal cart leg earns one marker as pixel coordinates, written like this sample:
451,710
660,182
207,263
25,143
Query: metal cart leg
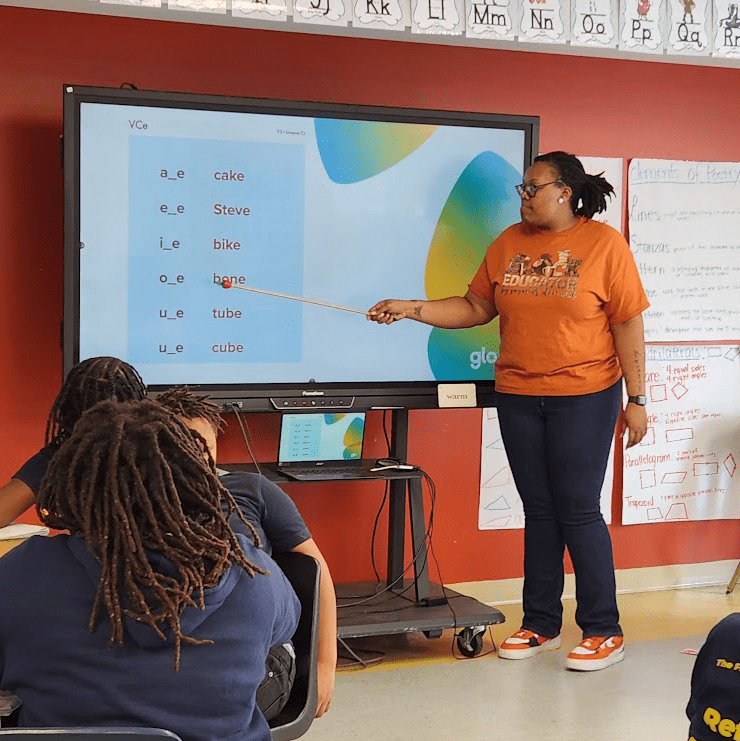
733,581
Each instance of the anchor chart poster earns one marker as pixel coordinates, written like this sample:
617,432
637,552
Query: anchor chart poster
500,506
686,467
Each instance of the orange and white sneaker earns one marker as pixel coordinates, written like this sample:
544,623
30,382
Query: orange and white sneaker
596,652
524,644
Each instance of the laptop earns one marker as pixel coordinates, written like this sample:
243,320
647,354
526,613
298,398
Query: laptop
323,446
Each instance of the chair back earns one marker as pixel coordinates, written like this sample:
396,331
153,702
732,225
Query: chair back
303,573
87,734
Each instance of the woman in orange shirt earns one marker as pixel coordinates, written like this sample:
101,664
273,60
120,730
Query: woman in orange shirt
570,303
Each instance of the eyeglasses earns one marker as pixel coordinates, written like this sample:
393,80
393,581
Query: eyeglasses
531,190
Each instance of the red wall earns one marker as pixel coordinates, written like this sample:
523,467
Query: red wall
603,107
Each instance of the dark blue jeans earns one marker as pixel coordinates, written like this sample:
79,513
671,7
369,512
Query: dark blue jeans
558,448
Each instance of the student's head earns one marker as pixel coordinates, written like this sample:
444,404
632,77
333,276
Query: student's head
87,383
198,413
584,195
131,480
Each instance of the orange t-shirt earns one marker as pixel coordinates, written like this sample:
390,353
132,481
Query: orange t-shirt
557,295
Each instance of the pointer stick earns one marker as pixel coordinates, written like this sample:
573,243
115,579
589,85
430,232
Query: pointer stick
228,284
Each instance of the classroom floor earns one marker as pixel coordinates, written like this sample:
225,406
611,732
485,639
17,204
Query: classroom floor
420,692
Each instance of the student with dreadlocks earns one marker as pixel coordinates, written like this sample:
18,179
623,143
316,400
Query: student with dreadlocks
281,528
87,383
151,611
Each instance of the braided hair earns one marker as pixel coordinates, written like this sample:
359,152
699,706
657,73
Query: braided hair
589,191
131,479
87,383
188,405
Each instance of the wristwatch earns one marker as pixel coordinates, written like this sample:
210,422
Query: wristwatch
639,400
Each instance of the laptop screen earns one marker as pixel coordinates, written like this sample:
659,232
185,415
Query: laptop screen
321,437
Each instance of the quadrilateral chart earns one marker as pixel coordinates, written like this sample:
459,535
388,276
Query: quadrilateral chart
686,467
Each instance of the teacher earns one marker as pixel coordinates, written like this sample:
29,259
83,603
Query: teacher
570,303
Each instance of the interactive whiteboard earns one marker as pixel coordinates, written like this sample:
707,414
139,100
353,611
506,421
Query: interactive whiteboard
169,194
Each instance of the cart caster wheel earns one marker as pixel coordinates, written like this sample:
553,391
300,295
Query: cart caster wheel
432,633
470,641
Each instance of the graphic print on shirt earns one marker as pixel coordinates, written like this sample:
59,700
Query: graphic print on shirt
542,276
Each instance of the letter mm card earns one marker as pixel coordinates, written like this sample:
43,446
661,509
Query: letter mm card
594,23
642,23
491,19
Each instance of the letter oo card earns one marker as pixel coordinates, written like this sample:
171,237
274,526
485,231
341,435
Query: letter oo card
594,23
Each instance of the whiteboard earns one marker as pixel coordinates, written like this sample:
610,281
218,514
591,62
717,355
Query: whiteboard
686,467
684,225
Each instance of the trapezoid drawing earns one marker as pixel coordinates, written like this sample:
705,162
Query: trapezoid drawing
677,512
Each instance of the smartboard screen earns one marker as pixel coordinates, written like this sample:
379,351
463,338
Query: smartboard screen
311,212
